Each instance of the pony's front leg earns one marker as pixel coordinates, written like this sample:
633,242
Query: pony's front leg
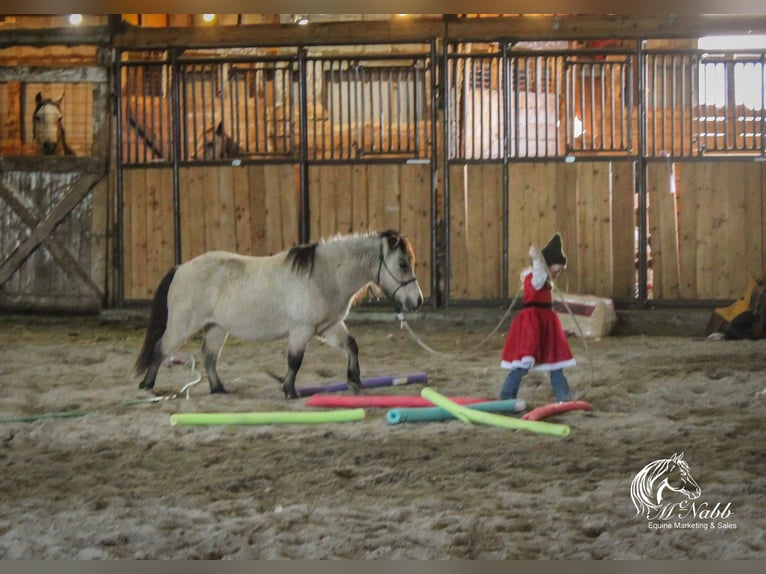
297,343
338,336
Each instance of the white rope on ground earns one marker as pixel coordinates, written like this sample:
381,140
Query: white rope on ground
78,413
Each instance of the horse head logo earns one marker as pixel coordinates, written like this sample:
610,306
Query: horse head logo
653,482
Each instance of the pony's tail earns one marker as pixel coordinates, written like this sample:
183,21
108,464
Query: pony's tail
158,320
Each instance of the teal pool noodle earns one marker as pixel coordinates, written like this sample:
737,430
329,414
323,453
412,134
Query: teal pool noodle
267,418
431,414
473,416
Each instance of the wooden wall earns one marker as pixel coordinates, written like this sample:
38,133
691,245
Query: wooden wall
590,203
252,210
255,210
359,198
710,235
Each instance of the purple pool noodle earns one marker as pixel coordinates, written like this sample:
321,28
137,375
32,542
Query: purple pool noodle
368,383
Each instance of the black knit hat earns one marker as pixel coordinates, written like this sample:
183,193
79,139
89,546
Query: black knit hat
553,252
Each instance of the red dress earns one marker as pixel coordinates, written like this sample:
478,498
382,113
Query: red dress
535,339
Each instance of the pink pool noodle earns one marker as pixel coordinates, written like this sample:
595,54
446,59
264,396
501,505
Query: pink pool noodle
370,382
384,401
555,409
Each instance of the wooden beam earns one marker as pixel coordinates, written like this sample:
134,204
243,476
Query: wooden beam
69,36
88,74
54,164
417,30
551,27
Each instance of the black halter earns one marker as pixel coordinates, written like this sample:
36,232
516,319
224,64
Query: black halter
382,265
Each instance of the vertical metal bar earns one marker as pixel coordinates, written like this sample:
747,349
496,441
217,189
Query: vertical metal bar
389,97
448,106
119,254
437,85
358,115
613,105
362,101
602,105
304,228
654,136
762,131
700,67
398,108
410,109
417,97
592,106
546,91
685,107
380,109
505,86
247,79
176,96
132,73
516,119
641,180
673,103
582,101
664,104
327,91
526,104
538,87
332,84
481,91
274,119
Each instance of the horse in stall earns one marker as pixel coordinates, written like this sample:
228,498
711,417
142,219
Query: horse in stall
296,294
47,127
217,144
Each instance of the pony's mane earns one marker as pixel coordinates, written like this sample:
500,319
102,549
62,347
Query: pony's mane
301,257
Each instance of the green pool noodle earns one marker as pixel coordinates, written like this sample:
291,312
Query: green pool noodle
431,414
267,418
474,416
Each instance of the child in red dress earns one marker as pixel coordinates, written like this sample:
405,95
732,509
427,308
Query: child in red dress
536,341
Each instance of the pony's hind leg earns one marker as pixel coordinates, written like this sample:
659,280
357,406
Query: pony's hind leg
151,373
215,338
338,336
298,341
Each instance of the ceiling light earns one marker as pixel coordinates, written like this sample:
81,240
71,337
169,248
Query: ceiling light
75,19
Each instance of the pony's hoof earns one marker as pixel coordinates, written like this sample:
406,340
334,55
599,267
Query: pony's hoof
219,390
355,388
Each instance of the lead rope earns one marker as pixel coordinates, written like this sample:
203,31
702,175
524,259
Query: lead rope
404,325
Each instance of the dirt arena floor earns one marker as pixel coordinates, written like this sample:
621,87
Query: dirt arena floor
119,482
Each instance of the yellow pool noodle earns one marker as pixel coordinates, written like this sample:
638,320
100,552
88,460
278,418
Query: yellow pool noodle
267,418
473,416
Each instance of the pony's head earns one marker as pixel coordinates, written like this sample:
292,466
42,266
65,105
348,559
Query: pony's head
217,144
396,271
47,128
670,474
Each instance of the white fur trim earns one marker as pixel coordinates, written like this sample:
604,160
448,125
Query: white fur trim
522,364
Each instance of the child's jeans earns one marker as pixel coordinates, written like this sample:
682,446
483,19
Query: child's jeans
558,383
